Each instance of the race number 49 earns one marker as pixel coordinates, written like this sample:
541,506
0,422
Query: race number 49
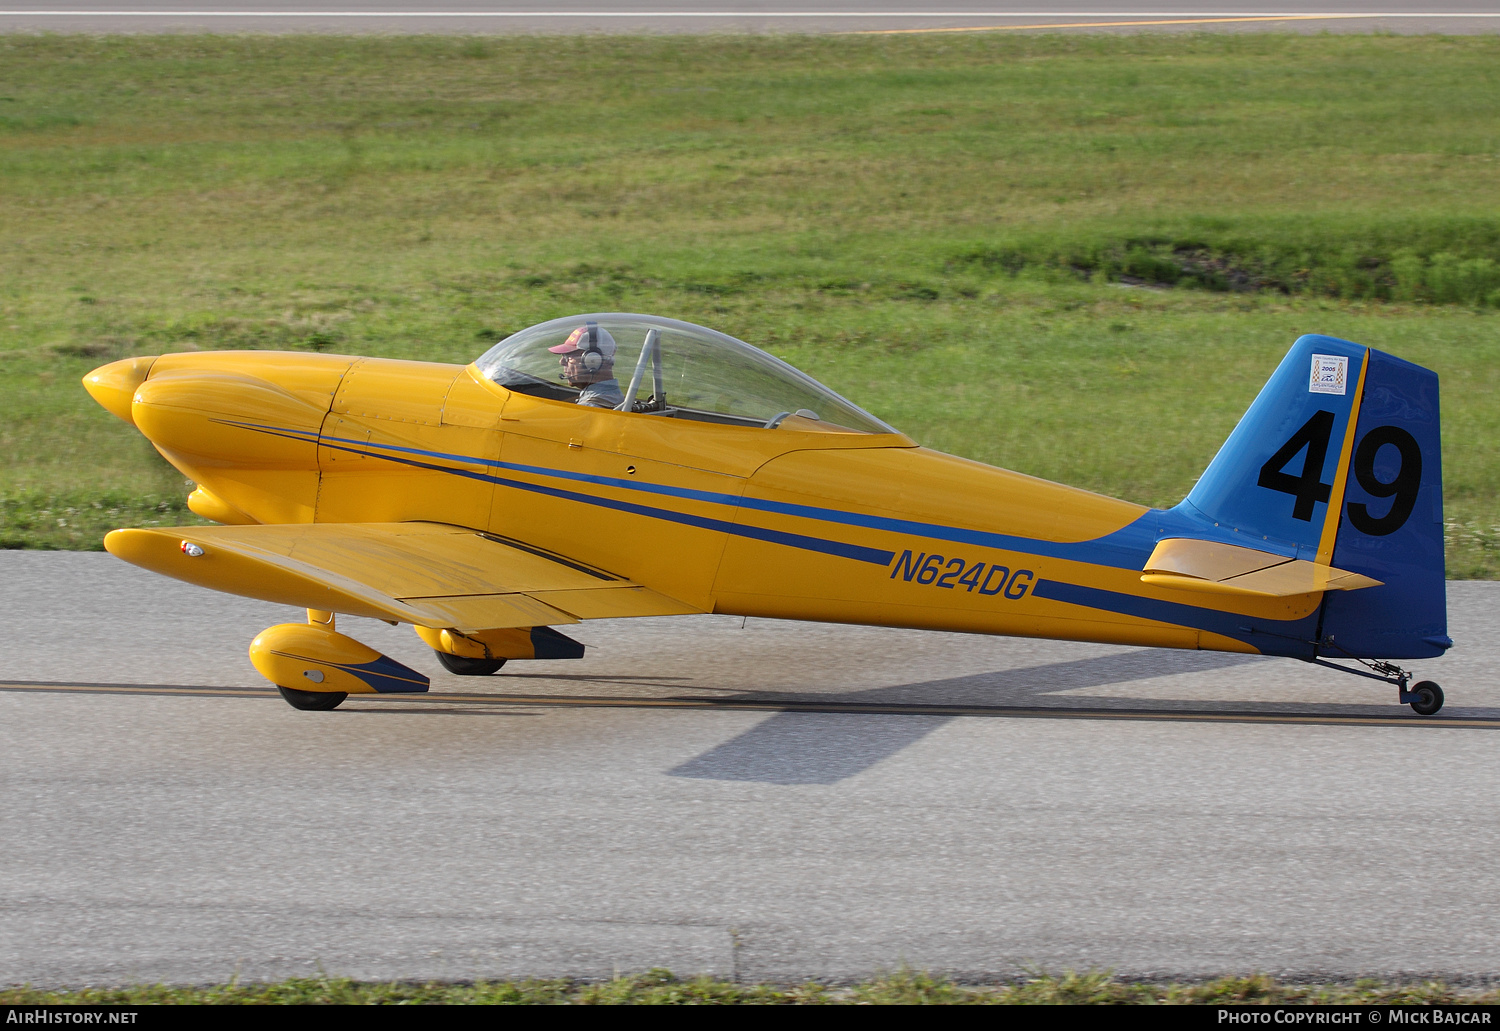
1307,487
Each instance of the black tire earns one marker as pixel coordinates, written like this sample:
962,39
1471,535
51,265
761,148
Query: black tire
312,701
1429,698
469,667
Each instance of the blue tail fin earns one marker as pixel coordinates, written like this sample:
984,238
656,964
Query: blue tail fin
1338,462
1277,479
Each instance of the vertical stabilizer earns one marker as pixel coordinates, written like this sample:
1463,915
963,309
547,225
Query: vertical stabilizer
1338,462
1278,481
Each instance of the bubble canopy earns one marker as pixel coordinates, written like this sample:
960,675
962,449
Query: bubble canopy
670,368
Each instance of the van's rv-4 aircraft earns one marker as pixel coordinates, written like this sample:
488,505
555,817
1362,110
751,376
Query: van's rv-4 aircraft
487,504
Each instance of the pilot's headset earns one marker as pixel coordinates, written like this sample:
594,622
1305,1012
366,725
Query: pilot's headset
597,345
593,357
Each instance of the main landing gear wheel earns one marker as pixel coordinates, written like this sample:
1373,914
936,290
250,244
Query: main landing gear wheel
1429,698
469,667
312,701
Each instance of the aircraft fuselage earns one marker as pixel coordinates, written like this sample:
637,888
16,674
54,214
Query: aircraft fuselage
782,523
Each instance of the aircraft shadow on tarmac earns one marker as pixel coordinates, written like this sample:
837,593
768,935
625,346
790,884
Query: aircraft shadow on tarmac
790,748
827,737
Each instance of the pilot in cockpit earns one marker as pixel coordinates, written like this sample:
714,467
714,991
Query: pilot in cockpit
588,363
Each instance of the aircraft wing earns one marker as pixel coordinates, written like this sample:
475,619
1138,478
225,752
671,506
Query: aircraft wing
427,574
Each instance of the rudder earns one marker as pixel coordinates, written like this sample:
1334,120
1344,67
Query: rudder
1392,522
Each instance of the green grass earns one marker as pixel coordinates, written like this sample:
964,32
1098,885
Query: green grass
1079,257
660,988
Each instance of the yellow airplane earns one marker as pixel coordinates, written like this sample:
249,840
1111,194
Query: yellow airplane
611,465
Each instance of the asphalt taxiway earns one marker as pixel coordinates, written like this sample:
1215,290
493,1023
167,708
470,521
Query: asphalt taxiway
687,16
761,800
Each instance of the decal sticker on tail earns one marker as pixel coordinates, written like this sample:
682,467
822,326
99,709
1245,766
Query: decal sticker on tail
1330,374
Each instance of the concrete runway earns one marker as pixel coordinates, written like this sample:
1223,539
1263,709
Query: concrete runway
677,16
1183,814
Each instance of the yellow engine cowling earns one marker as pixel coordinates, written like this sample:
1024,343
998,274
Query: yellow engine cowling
215,417
309,657
243,425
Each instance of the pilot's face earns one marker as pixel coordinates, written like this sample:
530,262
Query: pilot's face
576,373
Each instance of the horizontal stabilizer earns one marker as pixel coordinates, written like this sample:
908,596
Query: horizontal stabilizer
427,574
1195,565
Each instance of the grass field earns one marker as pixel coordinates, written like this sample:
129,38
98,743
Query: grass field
1079,257
660,988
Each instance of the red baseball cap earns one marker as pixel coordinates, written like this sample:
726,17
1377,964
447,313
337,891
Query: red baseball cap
587,338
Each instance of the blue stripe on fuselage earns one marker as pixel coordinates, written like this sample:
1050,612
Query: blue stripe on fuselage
842,549
1125,548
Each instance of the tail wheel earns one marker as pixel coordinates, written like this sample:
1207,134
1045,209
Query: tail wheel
312,701
1429,698
465,667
